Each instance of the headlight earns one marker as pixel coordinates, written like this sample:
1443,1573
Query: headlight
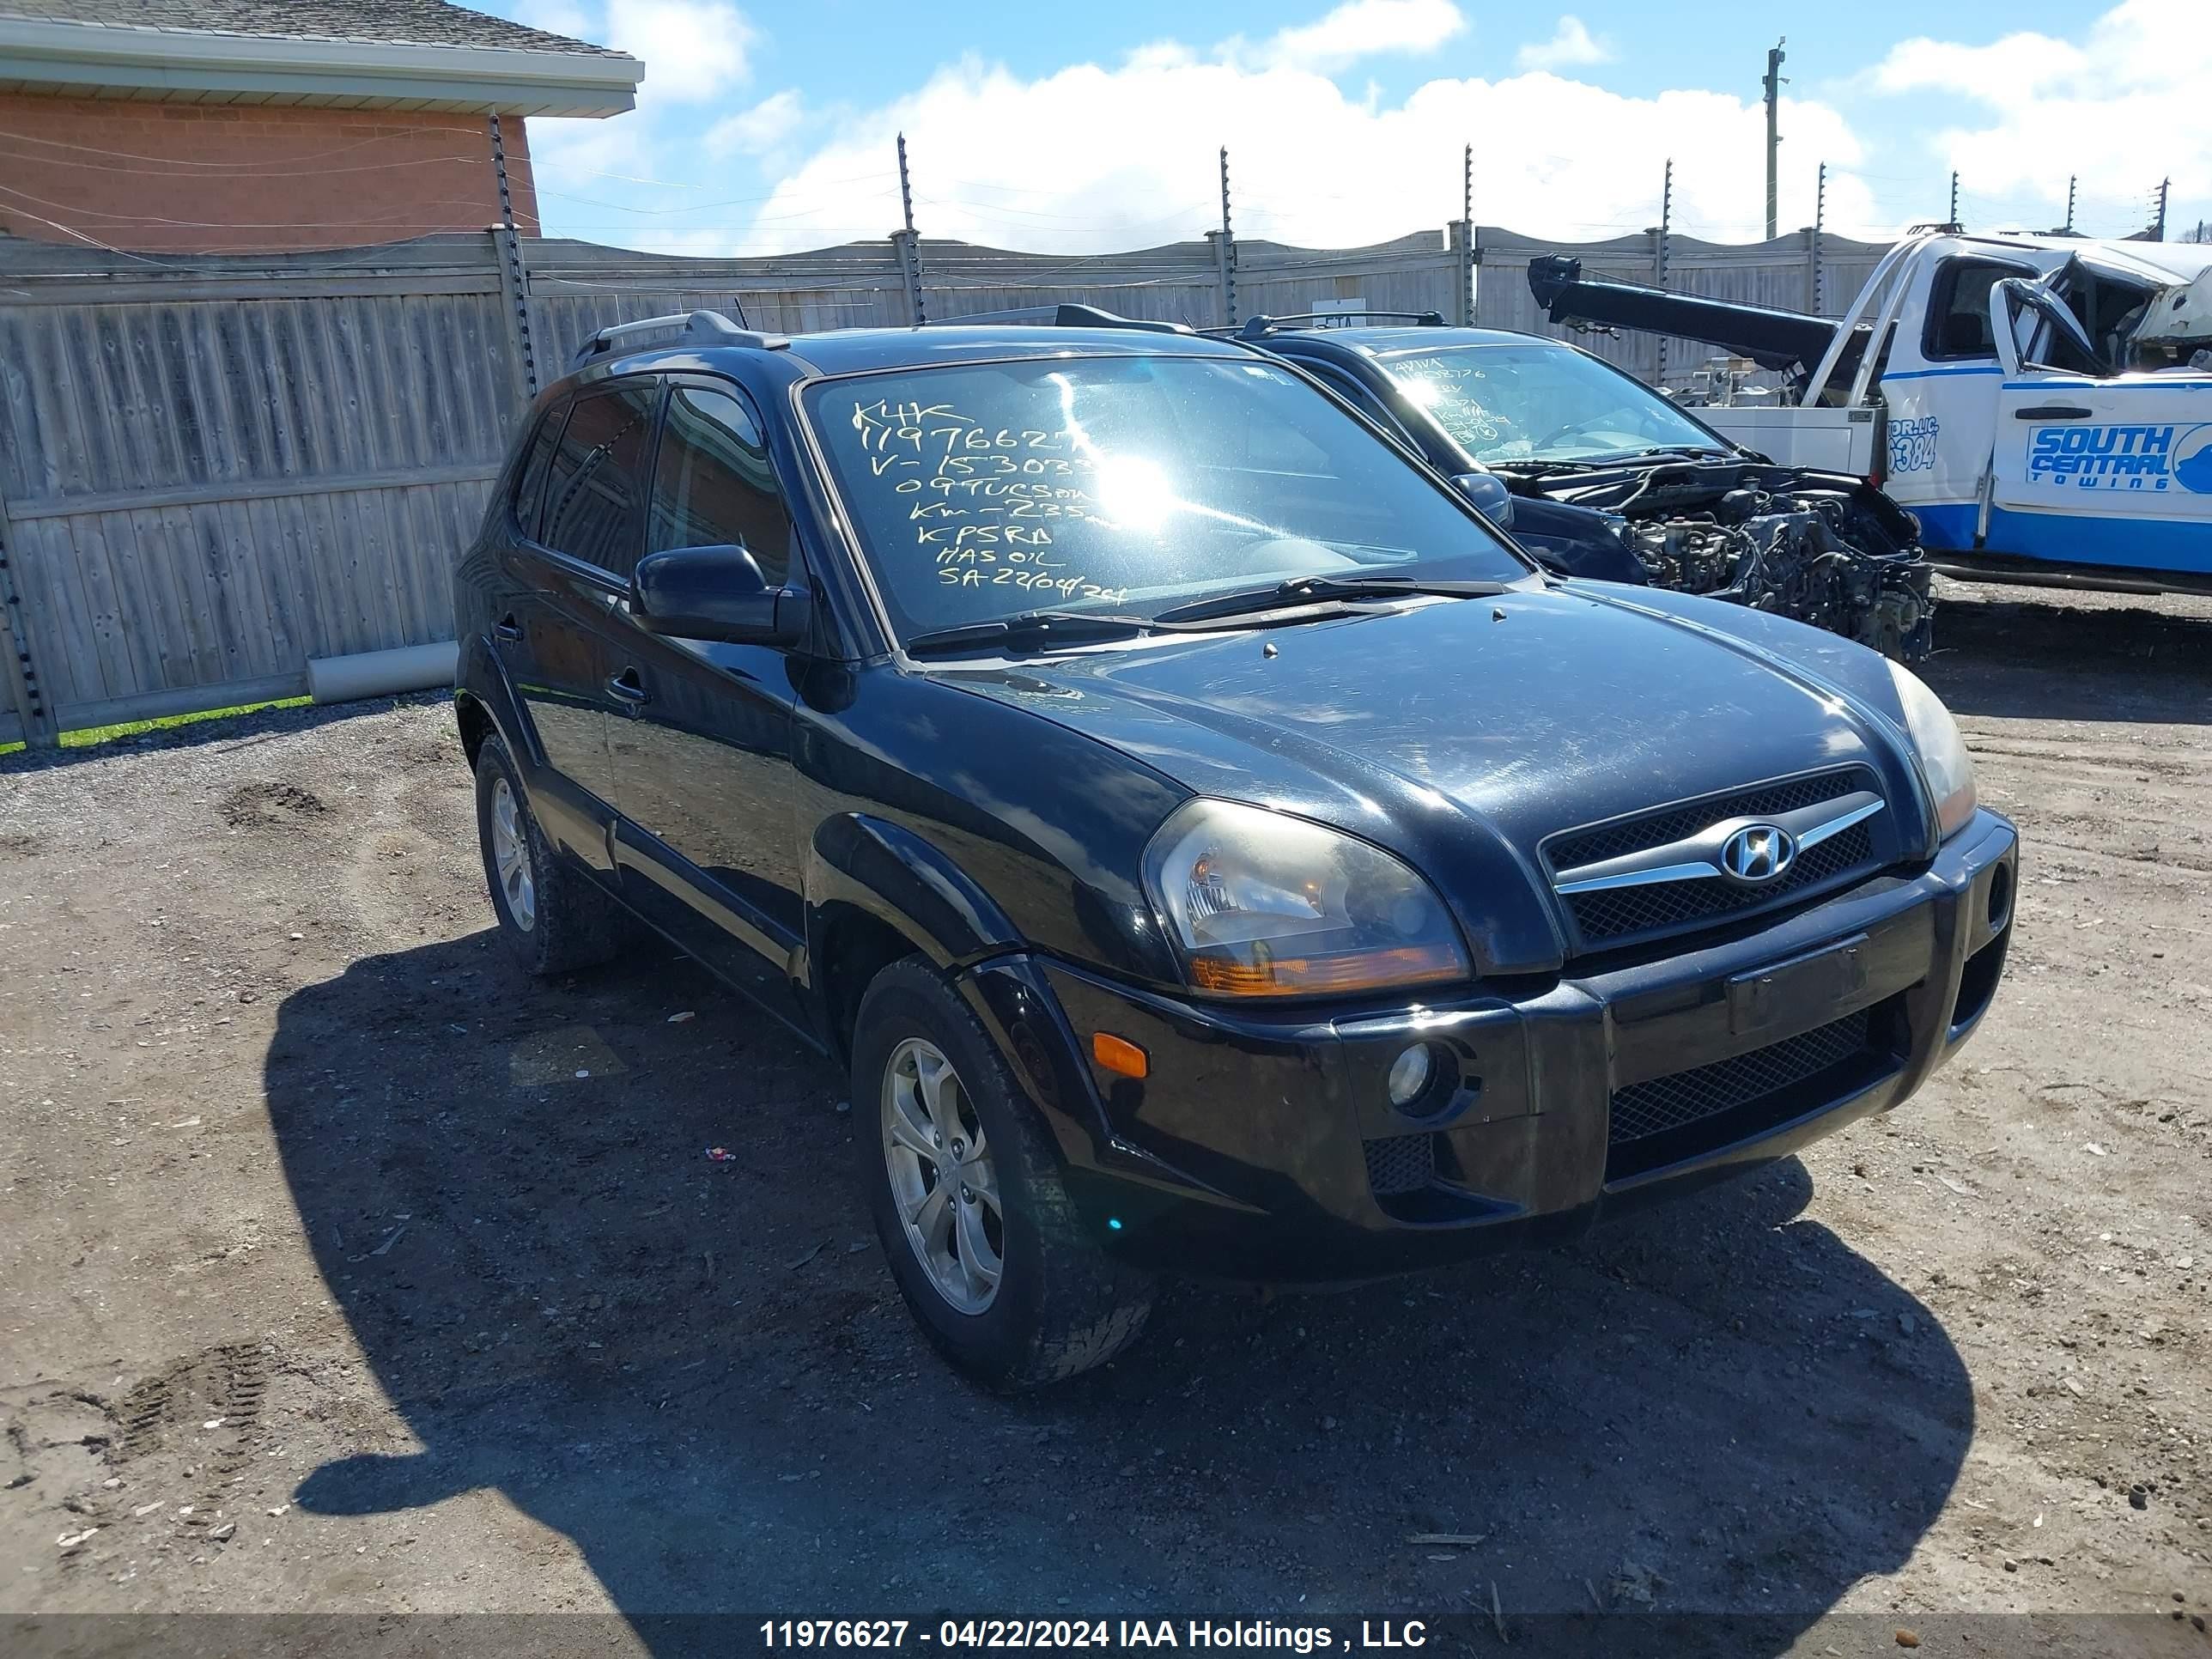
1943,758
1267,906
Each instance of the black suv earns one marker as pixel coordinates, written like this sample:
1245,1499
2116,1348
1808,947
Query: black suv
1212,845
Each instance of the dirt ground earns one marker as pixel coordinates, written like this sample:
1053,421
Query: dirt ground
342,1269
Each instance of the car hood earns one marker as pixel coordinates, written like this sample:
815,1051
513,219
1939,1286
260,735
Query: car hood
1461,733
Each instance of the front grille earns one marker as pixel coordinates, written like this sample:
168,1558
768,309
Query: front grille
1611,916
1612,839
1615,913
1644,1109
1400,1163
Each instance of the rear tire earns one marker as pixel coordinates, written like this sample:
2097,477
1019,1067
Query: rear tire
552,919
968,1200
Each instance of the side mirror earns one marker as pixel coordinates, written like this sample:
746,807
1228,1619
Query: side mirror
1490,495
715,594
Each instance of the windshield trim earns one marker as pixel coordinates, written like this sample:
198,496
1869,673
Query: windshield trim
1383,361
803,389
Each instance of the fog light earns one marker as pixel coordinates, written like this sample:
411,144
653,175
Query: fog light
1410,1074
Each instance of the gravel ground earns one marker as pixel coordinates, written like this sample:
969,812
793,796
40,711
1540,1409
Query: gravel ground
342,1269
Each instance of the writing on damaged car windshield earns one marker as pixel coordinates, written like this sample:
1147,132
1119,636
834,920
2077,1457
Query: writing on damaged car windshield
1539,403
979,491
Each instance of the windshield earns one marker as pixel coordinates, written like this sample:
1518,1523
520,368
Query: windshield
1123,484
1504,403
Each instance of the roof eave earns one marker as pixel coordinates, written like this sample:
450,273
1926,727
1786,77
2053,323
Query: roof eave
173,63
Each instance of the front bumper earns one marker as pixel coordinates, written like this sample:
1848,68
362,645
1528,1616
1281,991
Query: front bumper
1262,1144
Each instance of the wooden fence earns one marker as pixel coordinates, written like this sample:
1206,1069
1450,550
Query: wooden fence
214,470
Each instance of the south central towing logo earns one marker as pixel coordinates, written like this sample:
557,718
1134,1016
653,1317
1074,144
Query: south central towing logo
2135,458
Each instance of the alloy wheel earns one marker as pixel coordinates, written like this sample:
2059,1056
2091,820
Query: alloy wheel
944,1183
510,856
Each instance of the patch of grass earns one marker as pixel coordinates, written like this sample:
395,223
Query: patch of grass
93,735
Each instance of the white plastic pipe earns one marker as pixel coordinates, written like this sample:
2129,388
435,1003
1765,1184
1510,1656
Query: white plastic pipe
382,673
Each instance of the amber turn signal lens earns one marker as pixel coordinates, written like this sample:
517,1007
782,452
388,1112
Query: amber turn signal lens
1119,1055
1299,977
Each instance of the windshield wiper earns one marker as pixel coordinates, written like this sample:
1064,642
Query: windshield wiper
1538,468
1668,452
1027,631
1617,457
1309,590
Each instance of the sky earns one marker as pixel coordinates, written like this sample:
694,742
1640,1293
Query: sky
1082,129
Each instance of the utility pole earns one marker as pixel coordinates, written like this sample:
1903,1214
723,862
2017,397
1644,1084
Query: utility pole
1659,257
2071,181
1953,220
910,245
1774,84
2158,226
1224,251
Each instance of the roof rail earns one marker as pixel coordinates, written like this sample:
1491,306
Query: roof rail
1064,315
1258,326
702,328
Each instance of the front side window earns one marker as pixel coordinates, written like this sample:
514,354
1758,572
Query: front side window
1958,328
1123,483
1504,403
714,485
595,488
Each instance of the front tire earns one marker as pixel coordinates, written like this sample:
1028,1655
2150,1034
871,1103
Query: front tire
966,1189
551,918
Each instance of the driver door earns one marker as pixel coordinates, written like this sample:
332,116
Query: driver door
2092,467
707,844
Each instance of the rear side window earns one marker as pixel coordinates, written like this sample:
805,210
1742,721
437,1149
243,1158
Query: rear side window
714,484
1958,325
529,488
595,488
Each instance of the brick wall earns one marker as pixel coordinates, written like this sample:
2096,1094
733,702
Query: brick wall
205,178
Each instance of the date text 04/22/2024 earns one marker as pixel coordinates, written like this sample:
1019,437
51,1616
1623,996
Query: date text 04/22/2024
1090,1633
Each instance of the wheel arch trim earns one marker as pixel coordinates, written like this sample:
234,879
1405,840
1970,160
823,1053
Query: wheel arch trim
482,682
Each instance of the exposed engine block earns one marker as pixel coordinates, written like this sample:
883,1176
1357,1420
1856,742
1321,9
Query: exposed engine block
1817,556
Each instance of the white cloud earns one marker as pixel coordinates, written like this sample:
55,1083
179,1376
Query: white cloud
1571,44
760,130
691,49
1363,28
2121,108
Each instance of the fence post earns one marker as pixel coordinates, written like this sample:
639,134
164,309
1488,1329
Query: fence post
1468,257
40,729
1225,250
905,245
1660,237
514,274
1462,248
515,294
908,244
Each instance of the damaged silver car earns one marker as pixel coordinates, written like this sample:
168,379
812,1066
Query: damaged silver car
1598,476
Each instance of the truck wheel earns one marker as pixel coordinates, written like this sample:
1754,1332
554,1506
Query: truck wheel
965,1186
552,919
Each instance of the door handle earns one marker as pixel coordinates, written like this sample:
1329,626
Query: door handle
626,687
508,628
2051,412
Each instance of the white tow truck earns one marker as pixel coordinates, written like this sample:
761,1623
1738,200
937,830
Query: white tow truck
2043,403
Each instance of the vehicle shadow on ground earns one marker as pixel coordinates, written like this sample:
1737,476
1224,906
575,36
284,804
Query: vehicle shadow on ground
699,1372
2005,653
